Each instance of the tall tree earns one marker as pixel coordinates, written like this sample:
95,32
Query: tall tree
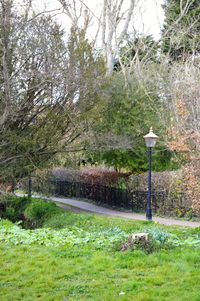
181,32
116,138
113,29
114,22
42,92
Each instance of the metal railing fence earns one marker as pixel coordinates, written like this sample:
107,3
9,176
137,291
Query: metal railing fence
110,196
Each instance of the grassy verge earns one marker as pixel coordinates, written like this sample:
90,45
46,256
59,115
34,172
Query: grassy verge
76,257
41,273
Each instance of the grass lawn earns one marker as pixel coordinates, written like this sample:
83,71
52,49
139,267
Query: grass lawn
85,270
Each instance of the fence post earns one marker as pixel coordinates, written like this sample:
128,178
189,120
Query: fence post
29,186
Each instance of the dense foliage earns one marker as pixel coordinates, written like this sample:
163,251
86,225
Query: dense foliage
116,138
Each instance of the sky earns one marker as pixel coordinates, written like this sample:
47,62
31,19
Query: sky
148,17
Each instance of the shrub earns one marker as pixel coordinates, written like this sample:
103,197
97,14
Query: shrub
92,175
37,211
32,212
15,207
169,190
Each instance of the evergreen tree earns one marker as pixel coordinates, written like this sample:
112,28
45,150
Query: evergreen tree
181,31
117,135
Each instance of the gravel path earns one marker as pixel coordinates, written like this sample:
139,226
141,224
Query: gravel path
76,205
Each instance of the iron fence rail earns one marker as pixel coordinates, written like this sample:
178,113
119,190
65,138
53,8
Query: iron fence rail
110,196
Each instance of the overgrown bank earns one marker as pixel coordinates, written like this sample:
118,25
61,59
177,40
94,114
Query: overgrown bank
30,221
92,257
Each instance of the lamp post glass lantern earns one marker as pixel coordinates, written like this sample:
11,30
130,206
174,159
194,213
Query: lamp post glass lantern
150,140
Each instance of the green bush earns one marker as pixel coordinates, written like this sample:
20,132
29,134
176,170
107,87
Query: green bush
15,207
32,212
37,211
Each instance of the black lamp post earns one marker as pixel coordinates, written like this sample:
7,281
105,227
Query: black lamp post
150,140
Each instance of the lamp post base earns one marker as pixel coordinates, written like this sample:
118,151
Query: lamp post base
149,215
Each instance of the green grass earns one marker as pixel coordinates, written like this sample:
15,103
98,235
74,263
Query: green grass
41,273
84,272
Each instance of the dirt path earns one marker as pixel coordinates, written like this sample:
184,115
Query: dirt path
76,205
